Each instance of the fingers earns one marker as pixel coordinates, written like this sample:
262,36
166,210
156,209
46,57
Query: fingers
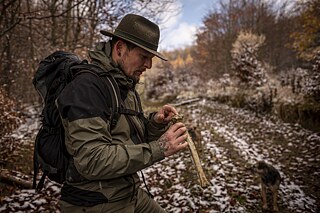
169,110
182,142
159,117
177,130
165,114
175,139
176,145
183,146
175,127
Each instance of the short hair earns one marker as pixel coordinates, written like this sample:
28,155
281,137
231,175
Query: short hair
129,44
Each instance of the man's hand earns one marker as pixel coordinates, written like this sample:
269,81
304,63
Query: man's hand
174,139
165,114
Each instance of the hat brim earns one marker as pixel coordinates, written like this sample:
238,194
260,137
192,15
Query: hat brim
110,34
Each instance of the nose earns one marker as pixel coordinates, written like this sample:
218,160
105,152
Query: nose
148,63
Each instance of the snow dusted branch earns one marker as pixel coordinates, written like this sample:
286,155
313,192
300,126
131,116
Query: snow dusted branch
12,179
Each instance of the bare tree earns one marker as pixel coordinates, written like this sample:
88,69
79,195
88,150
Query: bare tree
32,29
221,26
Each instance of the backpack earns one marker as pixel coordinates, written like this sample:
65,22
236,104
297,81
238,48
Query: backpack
51,77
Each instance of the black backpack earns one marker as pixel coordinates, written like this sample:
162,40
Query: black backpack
53,74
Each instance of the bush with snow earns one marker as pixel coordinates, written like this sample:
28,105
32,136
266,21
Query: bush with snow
312,84
169,83
247,67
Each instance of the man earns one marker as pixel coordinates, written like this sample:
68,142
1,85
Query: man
102,174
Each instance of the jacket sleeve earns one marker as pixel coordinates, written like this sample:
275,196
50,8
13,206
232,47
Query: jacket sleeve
83,106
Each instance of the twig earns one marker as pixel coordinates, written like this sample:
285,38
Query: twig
186,102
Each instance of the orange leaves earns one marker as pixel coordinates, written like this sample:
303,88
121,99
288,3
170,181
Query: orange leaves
306,39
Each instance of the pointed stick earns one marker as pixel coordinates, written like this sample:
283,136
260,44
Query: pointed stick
195,157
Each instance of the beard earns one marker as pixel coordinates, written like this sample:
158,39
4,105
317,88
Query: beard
133,77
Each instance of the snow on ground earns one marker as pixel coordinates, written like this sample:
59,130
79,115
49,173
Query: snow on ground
28,200
30,126
232,141
290,191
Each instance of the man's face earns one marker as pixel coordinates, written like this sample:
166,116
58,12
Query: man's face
135,61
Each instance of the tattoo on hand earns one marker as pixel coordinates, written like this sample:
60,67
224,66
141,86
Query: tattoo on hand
162,143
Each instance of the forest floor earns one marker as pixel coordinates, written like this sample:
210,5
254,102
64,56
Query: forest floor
232,140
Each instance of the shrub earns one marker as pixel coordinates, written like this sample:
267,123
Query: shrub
312,85
247,67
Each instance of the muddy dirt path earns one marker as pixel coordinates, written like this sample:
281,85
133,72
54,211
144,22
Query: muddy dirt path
233,140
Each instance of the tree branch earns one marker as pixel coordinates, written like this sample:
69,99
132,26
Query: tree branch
54,16
6,177
10,27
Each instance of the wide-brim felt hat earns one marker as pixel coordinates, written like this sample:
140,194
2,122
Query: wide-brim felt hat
139,31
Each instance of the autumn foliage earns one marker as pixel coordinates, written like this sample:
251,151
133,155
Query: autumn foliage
307,38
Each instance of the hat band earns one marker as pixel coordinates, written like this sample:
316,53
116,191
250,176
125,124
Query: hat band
135,39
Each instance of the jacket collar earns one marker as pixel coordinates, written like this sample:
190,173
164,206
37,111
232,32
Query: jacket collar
101,56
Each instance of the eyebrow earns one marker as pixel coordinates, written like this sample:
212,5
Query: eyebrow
147,54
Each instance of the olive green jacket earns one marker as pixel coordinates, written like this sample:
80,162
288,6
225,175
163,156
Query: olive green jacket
103,159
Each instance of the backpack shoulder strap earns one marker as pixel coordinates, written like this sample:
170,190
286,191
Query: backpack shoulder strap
117,105
111,84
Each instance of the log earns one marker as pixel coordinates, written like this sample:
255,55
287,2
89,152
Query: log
195,157
6,177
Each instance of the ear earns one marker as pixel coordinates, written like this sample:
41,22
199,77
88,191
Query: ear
119,47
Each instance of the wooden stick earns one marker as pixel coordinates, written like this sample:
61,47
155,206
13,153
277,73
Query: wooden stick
195,157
